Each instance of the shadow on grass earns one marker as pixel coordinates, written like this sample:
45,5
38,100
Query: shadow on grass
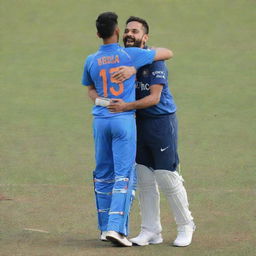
38,239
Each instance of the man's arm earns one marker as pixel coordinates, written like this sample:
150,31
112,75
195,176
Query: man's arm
125,72
92,93
97,100
118,105
141,57
163,54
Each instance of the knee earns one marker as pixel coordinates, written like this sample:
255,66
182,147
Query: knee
103,186
169,182
145,178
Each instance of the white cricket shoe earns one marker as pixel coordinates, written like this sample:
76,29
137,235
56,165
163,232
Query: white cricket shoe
146,237
185,233
103,236
117,238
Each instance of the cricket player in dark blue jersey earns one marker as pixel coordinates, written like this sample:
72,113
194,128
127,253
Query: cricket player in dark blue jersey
157,158
114,134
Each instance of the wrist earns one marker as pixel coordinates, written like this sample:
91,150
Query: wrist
127,106
101,101
134,70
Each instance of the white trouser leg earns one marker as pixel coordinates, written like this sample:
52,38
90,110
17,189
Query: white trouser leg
171,183
149,199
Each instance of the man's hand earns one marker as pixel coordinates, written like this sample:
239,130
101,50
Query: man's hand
123,73
117,105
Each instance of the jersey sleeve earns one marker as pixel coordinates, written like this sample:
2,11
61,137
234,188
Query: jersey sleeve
86,77
141,57
158,73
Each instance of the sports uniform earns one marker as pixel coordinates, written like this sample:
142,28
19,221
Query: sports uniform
157,160
156,148
114,134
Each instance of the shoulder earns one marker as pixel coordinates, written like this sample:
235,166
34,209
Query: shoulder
125,51
89,60
136,50
90,57
158,70
160,64
130,49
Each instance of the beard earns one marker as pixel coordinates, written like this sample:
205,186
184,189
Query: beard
132,42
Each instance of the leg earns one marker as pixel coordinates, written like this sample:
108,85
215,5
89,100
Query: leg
171,183
166,162
149,200
149,197
123,146
103,174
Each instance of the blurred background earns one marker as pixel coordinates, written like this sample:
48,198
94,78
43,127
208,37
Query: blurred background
46,145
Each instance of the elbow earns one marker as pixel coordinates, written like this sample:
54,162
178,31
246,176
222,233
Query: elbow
163,54
170,54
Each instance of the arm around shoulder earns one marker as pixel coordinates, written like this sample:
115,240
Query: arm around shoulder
163,54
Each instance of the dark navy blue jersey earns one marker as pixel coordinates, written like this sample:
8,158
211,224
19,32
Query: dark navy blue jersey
155,73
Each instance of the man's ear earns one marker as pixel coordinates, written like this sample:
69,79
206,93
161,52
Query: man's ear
145,38
117,30
98,35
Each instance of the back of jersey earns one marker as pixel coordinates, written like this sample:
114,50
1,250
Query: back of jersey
100,67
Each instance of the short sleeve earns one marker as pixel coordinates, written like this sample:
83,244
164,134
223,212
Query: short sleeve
86,77
141,57
158,73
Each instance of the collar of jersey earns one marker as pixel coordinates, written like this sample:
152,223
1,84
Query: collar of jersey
109,46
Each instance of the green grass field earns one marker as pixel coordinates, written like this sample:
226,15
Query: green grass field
46,145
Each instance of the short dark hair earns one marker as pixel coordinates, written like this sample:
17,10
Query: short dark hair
140,20
106,24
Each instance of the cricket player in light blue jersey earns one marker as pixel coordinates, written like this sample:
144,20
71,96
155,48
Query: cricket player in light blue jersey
114,133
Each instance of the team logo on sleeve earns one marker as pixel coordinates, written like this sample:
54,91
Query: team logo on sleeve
159,74
145,73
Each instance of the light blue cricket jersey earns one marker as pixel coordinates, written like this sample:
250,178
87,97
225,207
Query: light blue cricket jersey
99,67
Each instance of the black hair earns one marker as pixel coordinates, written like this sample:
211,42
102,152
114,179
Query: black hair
106,24
142,21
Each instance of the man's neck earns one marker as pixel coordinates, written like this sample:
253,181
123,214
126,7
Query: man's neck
110,40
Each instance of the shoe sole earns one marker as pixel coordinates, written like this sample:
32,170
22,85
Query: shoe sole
176,245
116,241
139,244
158,242
150,242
